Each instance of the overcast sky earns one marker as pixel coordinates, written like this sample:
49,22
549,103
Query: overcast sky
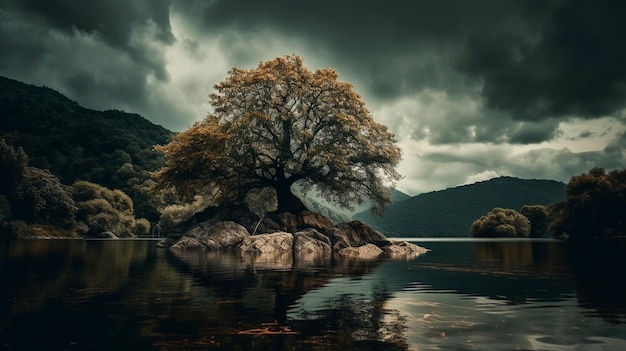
472,89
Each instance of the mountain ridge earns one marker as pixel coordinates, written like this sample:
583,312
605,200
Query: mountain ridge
112,148
450,212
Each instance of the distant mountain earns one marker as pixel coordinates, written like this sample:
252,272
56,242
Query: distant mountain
398,196
111,148
450,212
338,214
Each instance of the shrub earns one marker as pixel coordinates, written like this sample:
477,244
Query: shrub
101,209
500,223
539,218
173,215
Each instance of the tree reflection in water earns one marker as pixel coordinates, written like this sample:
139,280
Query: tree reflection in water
600,278
258,290
103,295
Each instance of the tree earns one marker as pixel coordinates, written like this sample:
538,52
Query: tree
501,222
278,124
101,209
539,218
595,205
30,194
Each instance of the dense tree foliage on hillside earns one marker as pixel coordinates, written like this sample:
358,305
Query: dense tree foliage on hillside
101,209
595,206
501,223
280,124
29,195
31,198
451,212
539,218
111,148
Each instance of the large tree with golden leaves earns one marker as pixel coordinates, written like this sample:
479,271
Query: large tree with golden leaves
280,124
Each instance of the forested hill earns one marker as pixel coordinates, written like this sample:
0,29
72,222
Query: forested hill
111,148
450,212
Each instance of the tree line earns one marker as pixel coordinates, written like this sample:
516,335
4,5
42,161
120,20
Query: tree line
34,202
594,207
273,128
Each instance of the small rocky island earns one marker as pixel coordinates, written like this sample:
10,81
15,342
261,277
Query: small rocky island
304,234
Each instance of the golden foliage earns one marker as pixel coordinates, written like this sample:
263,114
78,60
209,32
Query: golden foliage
278,124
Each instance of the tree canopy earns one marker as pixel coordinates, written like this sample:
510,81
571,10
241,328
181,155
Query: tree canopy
279,124
30,195
595,205
501,222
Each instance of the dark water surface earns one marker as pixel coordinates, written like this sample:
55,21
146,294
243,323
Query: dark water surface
462,295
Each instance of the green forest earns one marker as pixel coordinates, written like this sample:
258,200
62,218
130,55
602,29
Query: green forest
110,148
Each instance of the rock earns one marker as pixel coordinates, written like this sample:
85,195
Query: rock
275,243
169,240
315,237
273,250
266,226
213,215
127,235
211,237
364,252
316,221
188,243
106,235
293,222
403,250
310,244
354,234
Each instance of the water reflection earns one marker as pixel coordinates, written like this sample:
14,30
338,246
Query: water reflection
261,291
600,278
461,295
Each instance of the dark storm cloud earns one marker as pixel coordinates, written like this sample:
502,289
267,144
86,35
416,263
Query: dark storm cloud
113,20
534,59
509,71
102,53
395,47
534,132
576,68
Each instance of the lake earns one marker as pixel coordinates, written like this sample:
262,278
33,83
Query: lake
462,295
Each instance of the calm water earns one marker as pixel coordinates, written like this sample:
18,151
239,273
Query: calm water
462,295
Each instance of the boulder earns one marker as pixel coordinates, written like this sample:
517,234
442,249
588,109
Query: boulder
363,252
354,234
314,237
275,243
293,222
211,237
106,235
310,242
316,221
403,250
213,215
187,243
169,241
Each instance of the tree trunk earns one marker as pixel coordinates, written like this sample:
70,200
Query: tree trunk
287,201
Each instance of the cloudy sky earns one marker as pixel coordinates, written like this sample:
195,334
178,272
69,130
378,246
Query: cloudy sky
472,89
